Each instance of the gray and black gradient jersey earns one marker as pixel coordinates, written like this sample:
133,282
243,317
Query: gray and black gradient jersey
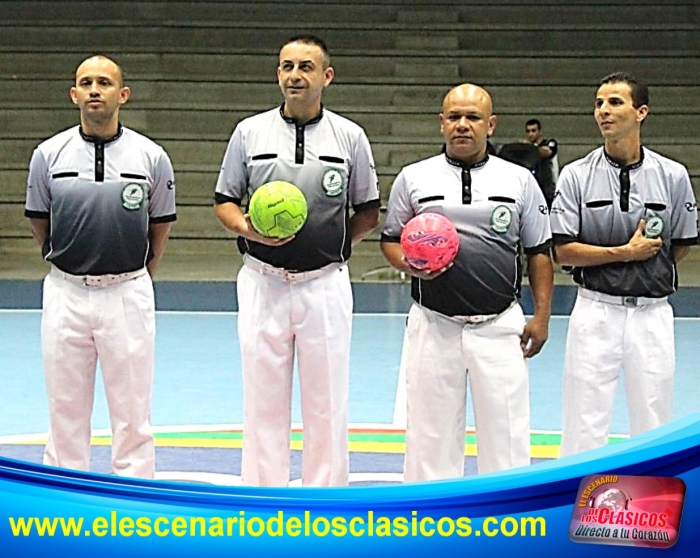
507,209
100,197
328,158
601,203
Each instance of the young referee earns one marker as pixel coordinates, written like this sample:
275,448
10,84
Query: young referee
624,216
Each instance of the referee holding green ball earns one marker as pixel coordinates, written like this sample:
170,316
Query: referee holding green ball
294,293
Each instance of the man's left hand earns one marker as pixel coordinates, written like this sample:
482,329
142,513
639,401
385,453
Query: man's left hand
534,336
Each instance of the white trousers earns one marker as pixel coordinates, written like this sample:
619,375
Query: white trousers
441,352
115,324
275,318
604,339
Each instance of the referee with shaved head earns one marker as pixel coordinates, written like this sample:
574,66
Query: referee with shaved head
466,322
624,216
100,199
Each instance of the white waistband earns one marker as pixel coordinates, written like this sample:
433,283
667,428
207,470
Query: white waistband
98,280
286,275
628,301
481,318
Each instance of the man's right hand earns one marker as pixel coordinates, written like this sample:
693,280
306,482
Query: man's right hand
425,274
255,236
641,248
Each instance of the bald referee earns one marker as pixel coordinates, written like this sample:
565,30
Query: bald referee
465,321
294,294
100,199
624,216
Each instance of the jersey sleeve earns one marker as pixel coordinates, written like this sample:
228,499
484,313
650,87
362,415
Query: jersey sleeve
564,215
399,209
363,183
535,232
232,183
684,215
161,206
38,203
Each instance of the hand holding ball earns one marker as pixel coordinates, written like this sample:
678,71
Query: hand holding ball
429,241
278,209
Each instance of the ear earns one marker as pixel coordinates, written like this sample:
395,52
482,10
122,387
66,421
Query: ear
124,94
441,119
493,120
73,95
642,113
328,76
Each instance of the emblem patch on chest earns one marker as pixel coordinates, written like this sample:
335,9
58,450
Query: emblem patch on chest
133,195
501,218
653,226
332,182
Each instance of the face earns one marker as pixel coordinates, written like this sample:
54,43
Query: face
466,122
533,133
301,74
98,90
614,111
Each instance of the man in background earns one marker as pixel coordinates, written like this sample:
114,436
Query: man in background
547,171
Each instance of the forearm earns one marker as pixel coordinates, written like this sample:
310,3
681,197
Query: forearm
541,275
362,223
40,230
680,252
587,255
231,217
394,255
158,237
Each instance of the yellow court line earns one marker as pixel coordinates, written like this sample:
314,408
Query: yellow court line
539,452
536,451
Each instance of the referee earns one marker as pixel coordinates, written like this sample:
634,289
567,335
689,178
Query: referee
100,199
294,294
465,321
624,216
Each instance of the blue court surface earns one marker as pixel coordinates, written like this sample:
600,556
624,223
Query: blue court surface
198,389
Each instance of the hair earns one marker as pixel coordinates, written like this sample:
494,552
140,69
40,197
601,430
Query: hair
534,122
311,40
639,90
120,70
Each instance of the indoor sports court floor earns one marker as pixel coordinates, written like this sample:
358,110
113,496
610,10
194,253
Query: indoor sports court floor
197,400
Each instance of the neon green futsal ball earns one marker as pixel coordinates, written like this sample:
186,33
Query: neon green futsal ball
278,209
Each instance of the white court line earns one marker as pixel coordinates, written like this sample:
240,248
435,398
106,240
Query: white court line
227,313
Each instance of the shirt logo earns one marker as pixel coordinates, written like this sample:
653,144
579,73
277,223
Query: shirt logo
332,182
133,195
653,226
501,218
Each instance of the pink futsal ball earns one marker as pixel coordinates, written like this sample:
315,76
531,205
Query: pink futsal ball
429,241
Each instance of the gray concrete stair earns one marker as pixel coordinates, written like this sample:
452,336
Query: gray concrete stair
196,69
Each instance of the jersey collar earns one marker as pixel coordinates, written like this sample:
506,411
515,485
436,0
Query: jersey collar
625,183
617,165
290,120
93,139
463,165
